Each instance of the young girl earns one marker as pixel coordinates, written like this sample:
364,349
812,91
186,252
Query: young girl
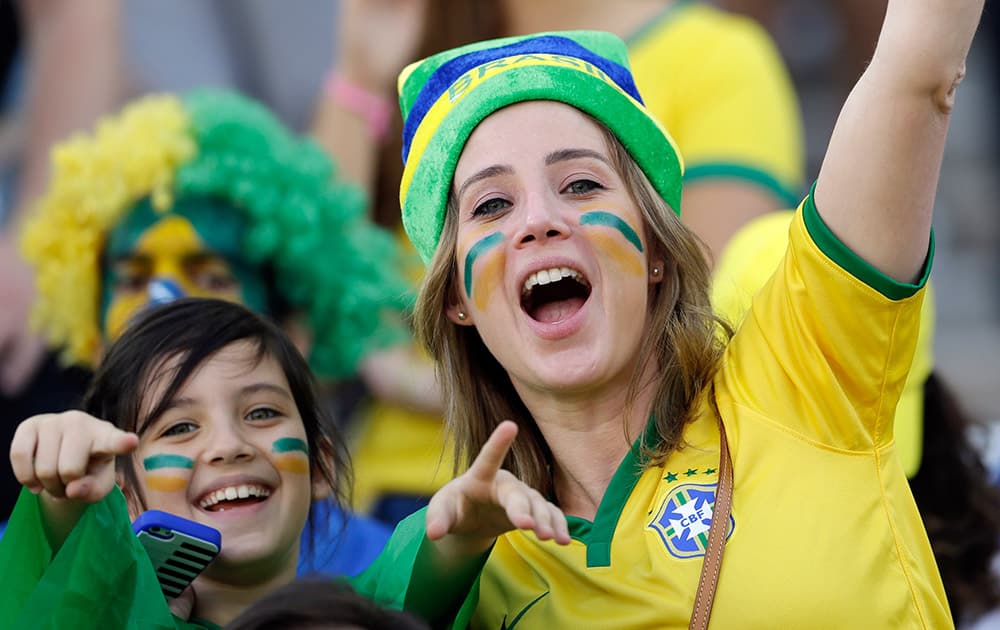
212,416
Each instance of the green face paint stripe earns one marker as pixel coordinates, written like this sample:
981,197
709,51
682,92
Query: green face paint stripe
289,444
480,248
167,461
612,221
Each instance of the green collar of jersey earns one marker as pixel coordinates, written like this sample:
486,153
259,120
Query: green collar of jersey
666,14
597,535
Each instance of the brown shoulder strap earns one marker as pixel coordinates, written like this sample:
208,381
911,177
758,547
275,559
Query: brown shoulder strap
716,537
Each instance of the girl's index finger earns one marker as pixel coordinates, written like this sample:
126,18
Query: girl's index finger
116,442
491,457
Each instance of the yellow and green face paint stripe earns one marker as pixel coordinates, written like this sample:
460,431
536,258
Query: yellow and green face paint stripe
481,248
162,472
292,455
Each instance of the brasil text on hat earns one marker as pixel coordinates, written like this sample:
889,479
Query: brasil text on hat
444,97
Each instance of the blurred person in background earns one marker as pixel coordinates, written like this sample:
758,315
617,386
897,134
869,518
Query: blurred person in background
857,21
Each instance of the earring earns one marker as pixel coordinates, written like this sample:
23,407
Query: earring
656,271
461,316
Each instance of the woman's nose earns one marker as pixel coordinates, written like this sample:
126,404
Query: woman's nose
543,219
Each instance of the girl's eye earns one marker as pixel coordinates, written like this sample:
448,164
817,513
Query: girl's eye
180,428
262,413
490,207
582,187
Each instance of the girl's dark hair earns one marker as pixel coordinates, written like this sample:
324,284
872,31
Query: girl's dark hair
959,505
170,342
314,604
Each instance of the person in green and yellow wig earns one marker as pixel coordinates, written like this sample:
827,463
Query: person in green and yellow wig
208,195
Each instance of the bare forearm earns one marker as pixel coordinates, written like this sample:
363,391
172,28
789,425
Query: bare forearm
347,139
877,184
59,517
75,76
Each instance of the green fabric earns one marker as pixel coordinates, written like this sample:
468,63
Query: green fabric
858,267
750,174
666,14
330,262
102,578
596,41
597,535
398,579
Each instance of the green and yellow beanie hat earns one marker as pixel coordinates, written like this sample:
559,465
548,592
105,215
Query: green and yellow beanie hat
306,227
444,97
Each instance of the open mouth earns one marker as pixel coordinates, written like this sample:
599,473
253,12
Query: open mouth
552,295
233,497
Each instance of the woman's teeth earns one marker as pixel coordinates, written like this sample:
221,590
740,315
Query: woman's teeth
545,276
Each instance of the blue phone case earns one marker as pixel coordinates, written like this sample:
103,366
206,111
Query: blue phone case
179,548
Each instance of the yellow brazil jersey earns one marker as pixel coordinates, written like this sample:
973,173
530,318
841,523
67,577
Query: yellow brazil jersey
824,532
750,258
718,83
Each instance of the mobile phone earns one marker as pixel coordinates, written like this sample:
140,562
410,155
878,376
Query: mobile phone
179,548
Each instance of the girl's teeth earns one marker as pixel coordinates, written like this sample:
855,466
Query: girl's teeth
232,493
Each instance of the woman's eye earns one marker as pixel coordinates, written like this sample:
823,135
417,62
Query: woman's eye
180,428
491,207
582,187
263,413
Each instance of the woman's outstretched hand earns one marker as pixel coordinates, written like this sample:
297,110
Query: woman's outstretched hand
487,501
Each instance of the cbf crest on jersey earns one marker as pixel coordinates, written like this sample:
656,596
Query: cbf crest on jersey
684,519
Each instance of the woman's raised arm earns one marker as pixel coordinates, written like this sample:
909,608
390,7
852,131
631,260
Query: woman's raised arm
877,184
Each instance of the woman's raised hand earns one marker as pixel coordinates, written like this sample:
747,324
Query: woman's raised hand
487,501
69,455
377,38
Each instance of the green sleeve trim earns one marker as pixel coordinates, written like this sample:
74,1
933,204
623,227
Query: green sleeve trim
853,264
407,576
597,536
753,175
661,18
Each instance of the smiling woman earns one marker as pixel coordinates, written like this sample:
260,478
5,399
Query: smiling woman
563,293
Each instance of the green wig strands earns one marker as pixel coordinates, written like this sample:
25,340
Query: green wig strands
329,261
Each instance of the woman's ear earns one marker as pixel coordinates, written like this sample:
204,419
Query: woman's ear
456,310
458,314
657,270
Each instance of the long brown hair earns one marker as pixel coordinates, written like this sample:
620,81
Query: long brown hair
685,345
